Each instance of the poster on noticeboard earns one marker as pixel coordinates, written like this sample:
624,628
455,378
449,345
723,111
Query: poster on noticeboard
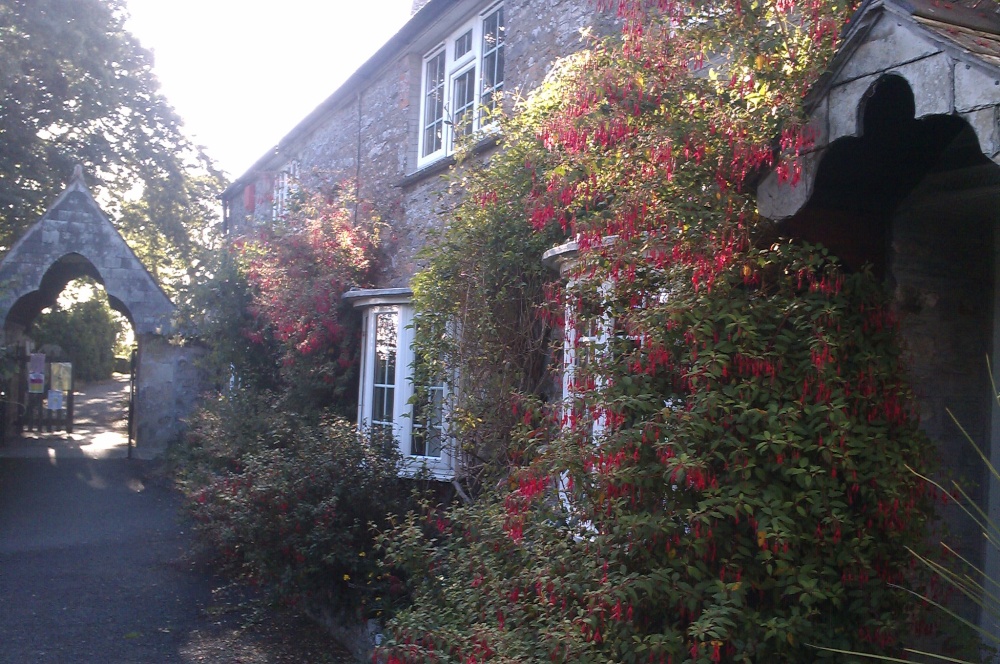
36,363
61,376
36,383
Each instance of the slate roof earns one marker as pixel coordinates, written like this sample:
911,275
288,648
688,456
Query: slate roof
972,25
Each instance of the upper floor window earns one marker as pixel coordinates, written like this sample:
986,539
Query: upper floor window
462,78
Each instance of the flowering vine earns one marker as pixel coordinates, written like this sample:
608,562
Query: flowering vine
726,480
299,268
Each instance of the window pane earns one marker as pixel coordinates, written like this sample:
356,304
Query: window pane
384,378
463,44
463,101
434,90
493,58
428,422
378,405
492,25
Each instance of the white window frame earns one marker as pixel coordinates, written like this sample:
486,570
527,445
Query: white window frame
373,303
285,185
454,68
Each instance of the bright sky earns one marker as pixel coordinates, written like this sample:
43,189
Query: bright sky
242,73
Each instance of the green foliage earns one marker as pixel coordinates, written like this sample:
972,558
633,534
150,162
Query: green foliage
78,88
726,481
220,311
287,504
736,490
283,489
299,269
271,305
479,298
87,331
955,573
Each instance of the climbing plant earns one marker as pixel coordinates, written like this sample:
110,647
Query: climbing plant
298,268
736,491
479,297
725,480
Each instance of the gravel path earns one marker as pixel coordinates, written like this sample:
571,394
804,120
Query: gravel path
95,566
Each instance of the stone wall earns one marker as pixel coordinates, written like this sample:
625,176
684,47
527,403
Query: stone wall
941,271
371,135
75,239
169,383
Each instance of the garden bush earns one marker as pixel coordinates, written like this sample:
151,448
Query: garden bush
288,505
745,499
284,490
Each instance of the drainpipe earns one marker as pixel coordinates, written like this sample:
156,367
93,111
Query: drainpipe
357,165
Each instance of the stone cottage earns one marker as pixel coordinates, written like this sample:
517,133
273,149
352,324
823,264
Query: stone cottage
393,128
903,174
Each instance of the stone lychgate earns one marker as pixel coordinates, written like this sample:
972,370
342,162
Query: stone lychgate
74,239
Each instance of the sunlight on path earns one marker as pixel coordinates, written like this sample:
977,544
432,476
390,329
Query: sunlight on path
99,430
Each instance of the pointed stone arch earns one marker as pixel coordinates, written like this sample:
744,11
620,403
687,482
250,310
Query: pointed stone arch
74,239
951,69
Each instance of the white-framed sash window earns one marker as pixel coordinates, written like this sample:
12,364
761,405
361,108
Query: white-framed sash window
388,397
462,77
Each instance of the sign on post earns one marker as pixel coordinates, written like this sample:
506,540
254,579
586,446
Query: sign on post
62,376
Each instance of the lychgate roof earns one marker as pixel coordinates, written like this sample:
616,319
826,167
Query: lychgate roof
75,238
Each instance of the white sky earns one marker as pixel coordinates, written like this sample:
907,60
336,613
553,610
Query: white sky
242,73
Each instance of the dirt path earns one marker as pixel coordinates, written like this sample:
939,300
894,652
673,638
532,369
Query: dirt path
96,563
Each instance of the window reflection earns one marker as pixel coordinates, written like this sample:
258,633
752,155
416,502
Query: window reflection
384,382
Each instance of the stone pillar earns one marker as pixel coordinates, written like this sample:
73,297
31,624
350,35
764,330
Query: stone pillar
168,384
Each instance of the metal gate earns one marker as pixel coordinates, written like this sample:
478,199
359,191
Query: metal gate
131,402
35,409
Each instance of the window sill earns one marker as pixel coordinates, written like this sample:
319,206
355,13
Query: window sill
416,467
487,142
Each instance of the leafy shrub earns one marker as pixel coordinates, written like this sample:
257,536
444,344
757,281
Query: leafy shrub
219,311
288,504
745,499
87,332
224,430
284,491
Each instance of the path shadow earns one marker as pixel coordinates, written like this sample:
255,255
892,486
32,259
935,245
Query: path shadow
99,428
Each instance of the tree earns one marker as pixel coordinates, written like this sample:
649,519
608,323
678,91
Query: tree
77,88
88,331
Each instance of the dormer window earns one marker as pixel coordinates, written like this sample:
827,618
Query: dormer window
462,77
